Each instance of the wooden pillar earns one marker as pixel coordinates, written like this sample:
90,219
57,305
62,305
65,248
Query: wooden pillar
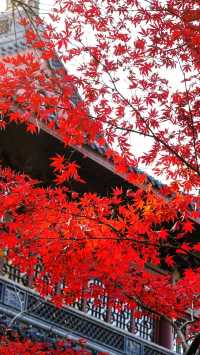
165,334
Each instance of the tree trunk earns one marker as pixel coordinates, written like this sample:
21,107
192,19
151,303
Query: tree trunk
194,346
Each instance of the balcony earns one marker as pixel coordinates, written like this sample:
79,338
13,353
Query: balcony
19,305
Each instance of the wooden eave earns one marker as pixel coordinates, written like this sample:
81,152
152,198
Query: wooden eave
31,154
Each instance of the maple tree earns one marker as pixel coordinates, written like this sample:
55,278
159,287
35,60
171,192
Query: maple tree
124,93
23,346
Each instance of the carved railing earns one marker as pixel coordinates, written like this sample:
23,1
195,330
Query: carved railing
11,34
4,25
26,307
119,315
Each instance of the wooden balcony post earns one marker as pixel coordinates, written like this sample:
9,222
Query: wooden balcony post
165,338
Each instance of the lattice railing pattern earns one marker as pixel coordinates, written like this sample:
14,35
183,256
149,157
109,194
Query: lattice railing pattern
25,303
120,317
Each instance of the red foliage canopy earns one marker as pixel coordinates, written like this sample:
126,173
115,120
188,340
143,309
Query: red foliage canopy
125,92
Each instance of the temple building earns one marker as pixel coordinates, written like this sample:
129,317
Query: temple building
104,329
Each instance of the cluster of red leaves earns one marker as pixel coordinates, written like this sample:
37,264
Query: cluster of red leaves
92,236
95,236
27,347
164,36
65,171
151,37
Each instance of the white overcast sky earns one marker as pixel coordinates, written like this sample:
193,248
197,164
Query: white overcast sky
3,5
